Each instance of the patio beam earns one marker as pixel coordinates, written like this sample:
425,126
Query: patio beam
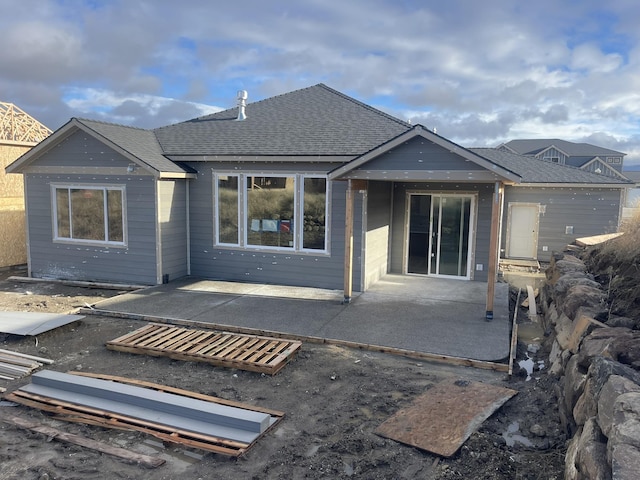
493,248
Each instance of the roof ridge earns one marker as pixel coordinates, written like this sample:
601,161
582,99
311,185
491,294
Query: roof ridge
362,104
102,122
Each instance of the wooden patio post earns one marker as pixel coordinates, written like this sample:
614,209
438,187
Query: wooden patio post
493,248
348,243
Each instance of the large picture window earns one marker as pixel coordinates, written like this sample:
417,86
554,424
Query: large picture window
277,212
89,214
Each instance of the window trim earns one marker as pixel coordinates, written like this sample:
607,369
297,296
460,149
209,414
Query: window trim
298,214
83,241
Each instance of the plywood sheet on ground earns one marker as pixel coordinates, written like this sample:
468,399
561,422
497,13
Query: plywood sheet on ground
245,352
33,323
443,418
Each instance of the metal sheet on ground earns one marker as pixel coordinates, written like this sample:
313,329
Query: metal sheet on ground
33,323
443,418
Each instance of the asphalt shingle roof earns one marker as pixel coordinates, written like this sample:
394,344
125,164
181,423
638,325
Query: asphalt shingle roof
532,170
140,143
312,121
534,146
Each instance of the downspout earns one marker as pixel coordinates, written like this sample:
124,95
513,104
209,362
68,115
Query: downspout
348,243
493,249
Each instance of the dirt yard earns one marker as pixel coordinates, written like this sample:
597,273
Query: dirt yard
333,398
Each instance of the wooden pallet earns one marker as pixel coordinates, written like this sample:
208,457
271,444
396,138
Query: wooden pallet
245,352
72,412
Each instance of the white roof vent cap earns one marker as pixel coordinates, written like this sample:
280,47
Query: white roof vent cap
242,103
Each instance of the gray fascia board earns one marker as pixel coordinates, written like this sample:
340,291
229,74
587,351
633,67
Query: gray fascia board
577,185
476,176
121,397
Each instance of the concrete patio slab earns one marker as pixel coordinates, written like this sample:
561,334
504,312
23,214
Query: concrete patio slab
421,314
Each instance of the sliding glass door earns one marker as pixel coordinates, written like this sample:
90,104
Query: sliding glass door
439,234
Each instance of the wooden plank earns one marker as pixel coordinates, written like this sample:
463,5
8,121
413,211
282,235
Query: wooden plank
442,419
596,239
531,296
493,249
247,352
514,334
145,460
30,357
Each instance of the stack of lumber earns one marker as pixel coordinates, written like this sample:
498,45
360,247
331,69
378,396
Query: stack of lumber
14,365
171,414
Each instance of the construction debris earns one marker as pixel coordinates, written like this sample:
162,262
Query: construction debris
14,365
442,419
54,433
173,415
33,323
245,352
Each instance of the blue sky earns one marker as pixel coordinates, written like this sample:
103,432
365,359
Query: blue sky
481,72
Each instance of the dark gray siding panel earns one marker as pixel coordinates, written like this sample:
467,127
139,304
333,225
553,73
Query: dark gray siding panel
419,154
480,253
173,227
252,265
82,150
135,263
378,215
590,211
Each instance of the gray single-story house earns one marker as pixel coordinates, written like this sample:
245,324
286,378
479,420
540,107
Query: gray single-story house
309,188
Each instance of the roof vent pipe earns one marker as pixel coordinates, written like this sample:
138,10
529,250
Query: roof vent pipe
242,103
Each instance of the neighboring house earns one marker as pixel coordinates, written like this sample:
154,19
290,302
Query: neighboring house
582,155
19,132
632,198
309,188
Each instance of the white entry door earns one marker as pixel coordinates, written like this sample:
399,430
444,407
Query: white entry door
522,234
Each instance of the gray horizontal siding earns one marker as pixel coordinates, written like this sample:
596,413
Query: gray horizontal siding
378,216
135,263
173,228
480,250
590,211
82,150
419,154
252,265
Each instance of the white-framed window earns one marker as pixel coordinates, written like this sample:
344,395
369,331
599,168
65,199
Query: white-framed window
285,212
552,159
616,160
89,214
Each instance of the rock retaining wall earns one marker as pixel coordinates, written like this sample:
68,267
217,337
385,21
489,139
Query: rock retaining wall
596,357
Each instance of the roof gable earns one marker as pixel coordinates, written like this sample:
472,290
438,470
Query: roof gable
460,156
314,121
138,145
572,149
